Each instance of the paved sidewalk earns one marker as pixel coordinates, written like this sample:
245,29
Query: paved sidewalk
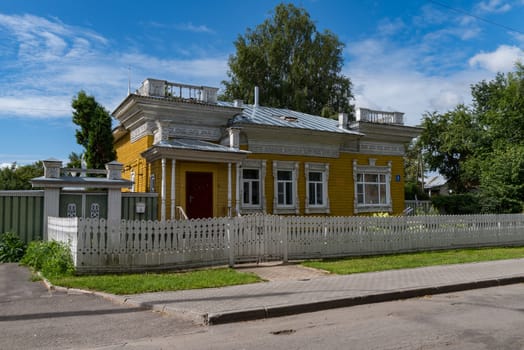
319,292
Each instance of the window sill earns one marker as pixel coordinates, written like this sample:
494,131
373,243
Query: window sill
317,210
285,210
374,208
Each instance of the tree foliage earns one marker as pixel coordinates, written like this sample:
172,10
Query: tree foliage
449,141
75,160
293,64
480,149
18,177
95,133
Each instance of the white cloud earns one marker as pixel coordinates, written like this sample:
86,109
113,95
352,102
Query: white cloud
53,61
390,27
400,77
496,6
35,106
190,27
503,59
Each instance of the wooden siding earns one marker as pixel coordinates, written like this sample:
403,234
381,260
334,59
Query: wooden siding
128,153
341,189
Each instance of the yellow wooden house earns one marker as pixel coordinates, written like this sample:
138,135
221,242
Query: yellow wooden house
208,158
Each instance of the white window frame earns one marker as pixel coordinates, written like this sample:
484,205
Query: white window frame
252,164
132,179
322,168
372,169
292,208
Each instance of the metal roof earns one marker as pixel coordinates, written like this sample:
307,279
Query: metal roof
197,145
286,118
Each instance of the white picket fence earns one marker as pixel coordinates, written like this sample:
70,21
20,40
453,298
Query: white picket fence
142,245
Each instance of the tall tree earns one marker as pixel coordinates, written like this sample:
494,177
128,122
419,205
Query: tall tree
449,141
480,149
95,133
293,64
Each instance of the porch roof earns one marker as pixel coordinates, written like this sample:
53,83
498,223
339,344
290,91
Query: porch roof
195,150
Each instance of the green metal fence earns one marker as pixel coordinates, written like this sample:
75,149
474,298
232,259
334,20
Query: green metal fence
22,212
139,206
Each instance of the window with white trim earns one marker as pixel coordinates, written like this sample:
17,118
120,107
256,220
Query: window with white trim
132,179
285,198
285,188
251,187
317,200
251,179
372,187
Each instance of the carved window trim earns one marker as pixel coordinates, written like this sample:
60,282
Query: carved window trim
359,179
323,169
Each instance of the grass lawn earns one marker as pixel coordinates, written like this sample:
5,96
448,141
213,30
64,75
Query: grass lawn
157,282
410,260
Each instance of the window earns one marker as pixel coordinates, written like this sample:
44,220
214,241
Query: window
251,188
251,174
285,199
372,187
133,181
285,187
316,188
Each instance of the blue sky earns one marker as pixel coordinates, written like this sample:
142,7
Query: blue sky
408,56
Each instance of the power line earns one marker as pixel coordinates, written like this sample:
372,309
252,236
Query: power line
475,16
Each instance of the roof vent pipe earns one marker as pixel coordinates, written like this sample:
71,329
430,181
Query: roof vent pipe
256,97
342,120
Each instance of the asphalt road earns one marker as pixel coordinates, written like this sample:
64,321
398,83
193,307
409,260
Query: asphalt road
33,318
491,318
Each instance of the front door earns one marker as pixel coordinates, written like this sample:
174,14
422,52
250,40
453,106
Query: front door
199,195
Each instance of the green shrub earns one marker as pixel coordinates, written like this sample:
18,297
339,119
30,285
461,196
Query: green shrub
12,248
51,258
457,204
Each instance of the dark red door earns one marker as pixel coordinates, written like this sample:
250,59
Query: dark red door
199,195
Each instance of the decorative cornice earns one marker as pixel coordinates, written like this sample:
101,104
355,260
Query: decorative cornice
382,148
294,150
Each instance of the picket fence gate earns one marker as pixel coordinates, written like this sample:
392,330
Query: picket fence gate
145,245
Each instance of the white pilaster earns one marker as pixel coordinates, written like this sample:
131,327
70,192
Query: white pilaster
163,192
237,190
114,214
173,193
229,196
51,206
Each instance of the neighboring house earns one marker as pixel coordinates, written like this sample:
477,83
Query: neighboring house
436,185
209,158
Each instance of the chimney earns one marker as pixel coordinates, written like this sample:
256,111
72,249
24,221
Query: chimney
256,97
238,103
234,138
342,120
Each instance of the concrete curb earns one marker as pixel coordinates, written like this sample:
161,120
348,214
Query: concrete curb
286,310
